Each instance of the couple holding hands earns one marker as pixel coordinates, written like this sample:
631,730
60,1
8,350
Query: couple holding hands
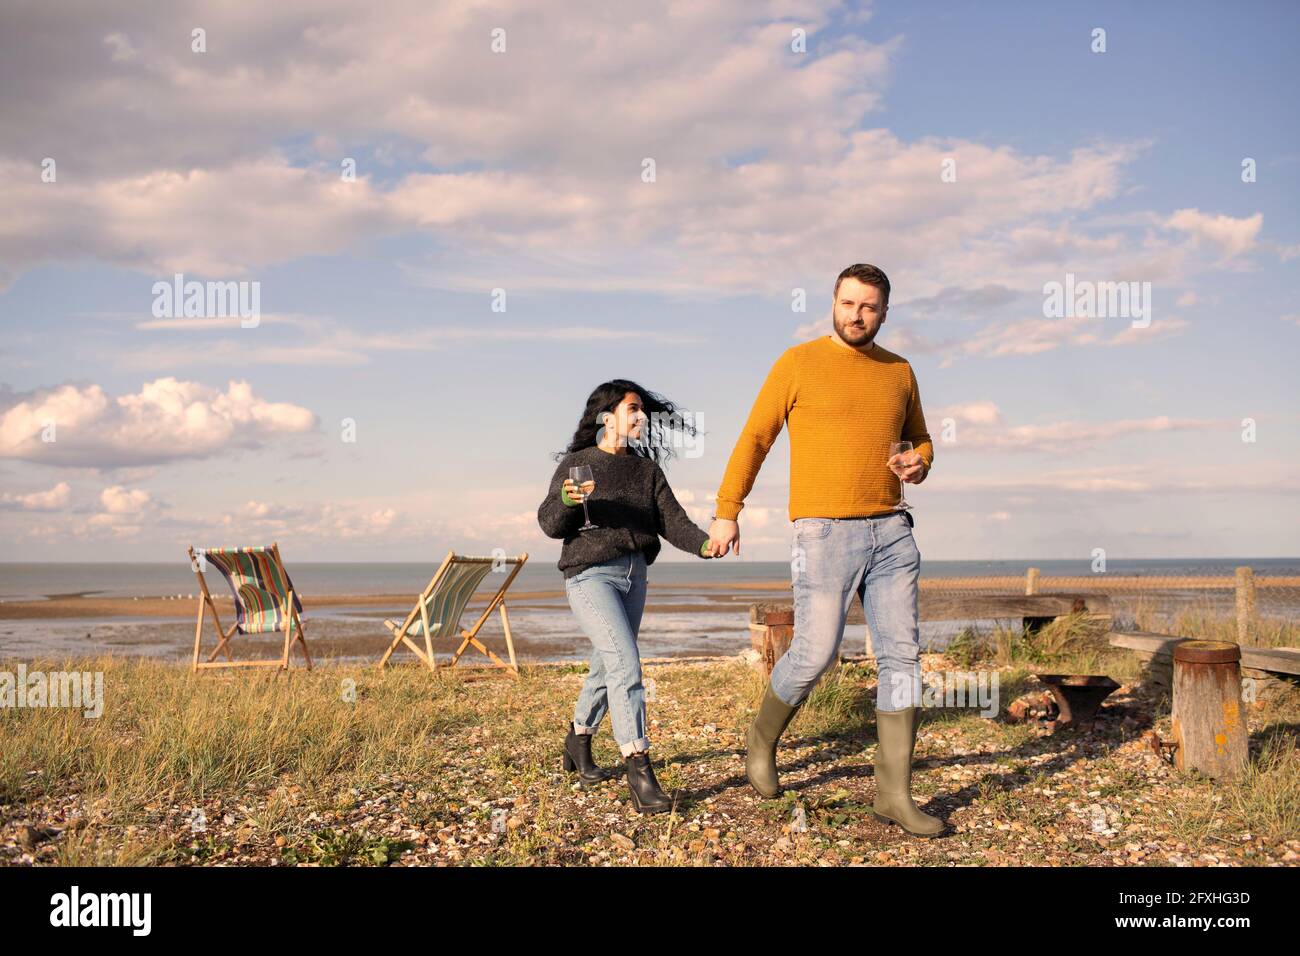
856,432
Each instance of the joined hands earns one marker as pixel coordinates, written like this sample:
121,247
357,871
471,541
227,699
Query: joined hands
724,535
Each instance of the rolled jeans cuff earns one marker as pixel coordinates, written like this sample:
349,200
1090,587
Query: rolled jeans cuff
579,729
636,746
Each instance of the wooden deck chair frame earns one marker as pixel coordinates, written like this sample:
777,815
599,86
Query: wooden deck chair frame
293,633
469,638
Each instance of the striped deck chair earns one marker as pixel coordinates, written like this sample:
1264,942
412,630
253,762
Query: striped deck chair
265,603
439,607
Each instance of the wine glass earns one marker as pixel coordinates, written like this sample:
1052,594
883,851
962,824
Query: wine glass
581,476
897,451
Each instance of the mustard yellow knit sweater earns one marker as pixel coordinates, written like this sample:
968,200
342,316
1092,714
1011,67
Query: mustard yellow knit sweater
844,408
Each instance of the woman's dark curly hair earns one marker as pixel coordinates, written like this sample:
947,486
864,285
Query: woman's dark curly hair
663,418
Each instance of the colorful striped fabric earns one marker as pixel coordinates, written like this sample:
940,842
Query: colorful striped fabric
260,584
447,602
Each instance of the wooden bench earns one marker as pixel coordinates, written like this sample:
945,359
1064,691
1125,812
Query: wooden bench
1269,667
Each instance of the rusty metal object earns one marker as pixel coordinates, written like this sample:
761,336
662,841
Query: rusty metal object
1207,652
1164,749
1078,695
1036,706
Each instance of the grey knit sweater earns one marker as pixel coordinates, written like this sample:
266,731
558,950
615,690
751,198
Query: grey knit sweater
632,503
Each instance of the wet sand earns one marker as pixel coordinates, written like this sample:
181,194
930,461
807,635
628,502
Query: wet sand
679,621
71,606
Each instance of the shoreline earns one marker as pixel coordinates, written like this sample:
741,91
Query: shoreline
84,605
74,608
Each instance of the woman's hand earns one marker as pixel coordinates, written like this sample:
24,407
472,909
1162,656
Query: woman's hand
725,535
574,494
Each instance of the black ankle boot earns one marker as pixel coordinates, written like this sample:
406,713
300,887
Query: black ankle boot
646,795
577,757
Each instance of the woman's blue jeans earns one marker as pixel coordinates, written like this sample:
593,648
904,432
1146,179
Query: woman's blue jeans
607,599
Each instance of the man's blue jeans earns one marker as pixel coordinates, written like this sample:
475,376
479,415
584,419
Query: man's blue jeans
608,599
833,560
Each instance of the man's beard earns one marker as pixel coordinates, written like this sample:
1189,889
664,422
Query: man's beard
856,337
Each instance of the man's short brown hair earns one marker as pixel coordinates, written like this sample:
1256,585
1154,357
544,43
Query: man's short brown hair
867,275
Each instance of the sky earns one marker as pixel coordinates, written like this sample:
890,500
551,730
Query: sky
430,327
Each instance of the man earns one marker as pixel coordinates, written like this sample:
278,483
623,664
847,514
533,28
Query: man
846,400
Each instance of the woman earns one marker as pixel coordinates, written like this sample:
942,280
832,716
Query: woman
621,436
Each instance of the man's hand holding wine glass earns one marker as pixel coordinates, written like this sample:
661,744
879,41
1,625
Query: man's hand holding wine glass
909,466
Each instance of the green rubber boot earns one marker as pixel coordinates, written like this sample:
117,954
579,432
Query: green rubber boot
896,730
773,716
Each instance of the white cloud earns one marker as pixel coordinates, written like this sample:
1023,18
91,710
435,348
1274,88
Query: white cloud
118,500
1231,235
980,425
1142,478
52,499
316,342
513,154
120,47
972,413
1037,335
313,521
1032,336
214,222
166,420
1158,329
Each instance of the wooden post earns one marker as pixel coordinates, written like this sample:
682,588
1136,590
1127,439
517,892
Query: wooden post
771,630
779,637
1031,581
1032,625
1245,606
1209,725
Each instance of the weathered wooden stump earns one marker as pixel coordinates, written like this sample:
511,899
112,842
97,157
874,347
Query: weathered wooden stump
1209,725
771,630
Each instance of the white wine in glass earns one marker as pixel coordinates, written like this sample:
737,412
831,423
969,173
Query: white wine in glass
581,476
897,453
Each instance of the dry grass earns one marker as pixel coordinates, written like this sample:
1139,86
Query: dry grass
266,768
1204,621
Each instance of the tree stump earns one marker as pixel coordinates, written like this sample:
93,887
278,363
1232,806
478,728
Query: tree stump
1209,725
